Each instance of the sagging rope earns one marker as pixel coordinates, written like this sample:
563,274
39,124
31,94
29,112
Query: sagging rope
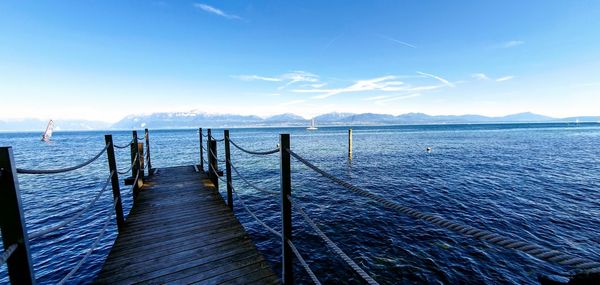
215,156
7,253
237,195
125,145
540,252
303,263
250,183
92,248
254,152
130,167
61,170
217,140
332,245
45,231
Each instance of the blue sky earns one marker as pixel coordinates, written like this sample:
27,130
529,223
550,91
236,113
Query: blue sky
103,60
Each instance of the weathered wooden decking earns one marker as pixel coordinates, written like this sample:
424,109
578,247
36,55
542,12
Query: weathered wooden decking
180,231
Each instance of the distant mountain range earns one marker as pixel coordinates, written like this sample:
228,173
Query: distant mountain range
197,119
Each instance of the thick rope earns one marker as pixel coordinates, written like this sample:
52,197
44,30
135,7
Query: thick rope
7,253
332,245
92,248
237,195
250,183
61,170
125,145
217,140
254,152
303,263
45,231
130,167
214,155
535,250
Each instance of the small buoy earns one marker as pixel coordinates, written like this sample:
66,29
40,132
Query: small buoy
428,149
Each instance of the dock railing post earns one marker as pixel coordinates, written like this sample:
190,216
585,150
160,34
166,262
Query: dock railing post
286,209
12,221
141,160
214,175
136,165
208,156
228,169
150,171
201,154
112,166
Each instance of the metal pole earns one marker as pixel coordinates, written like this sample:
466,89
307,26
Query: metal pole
228,170
12,221
136,166
350,144
213,163
112,166
286,209
150,172
201,154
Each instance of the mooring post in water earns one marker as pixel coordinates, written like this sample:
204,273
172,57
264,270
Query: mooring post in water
208,156
148,152
112,166
228,170
350,144
213,163
12,222
136,165
201,154
286,209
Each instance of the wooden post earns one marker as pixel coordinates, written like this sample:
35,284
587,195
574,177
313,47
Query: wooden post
228,169
12,221
150,172
141,159
208,156
136,166
350,144
213,163
286,209
112,166
201,154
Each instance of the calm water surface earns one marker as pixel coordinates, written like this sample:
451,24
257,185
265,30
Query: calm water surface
539,182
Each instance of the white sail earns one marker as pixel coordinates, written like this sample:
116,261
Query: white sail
312,125
48,132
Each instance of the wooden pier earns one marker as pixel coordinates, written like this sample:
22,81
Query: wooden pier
181,231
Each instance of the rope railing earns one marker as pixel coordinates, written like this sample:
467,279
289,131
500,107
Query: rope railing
130,167
237,195
45,231
250,183
540,252
125,145
89,252
332,245
61,170
216,157
254,152
303,263
7,253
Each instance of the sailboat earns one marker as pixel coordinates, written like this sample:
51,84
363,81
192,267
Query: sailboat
312,125
48,132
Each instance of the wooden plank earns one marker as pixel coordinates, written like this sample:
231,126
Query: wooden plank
181,231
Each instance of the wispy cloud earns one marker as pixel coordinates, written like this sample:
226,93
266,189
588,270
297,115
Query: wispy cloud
480,76
293,102
512,43
505,78
397,41
289,78
216,11
256,78
396,98
443,80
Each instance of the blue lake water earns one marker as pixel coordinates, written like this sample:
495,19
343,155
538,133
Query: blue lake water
539,182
